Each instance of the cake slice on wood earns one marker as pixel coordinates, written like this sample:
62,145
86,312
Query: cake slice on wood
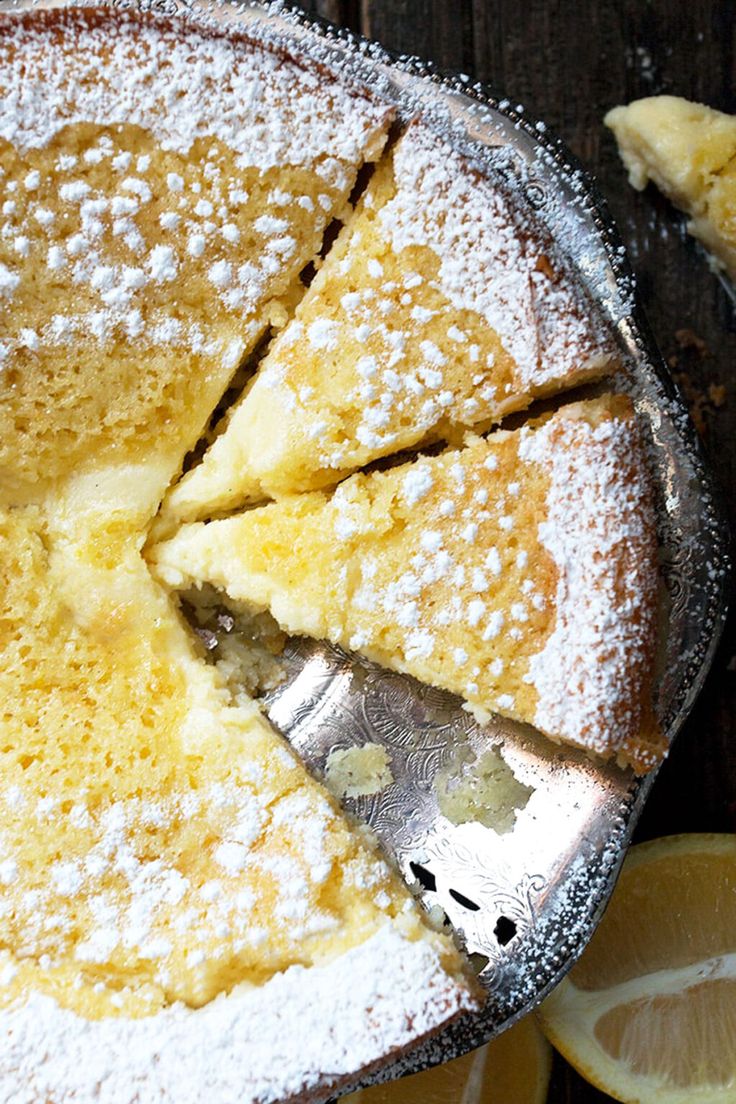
439,308
688,150
518,571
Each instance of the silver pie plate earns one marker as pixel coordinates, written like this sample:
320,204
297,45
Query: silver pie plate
524,902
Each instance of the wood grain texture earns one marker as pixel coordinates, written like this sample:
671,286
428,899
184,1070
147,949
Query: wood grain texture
439,31
568,62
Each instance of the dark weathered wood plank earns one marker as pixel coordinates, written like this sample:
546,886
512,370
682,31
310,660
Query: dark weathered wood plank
569,62
334,10
431,29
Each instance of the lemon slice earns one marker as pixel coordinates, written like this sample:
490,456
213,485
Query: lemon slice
649,1012
512,1069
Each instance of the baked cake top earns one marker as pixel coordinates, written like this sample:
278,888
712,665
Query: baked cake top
688,150
161,192
438,308
79,65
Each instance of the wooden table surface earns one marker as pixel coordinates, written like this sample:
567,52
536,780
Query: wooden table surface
568,61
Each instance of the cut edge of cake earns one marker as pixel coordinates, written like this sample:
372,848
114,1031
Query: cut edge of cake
165,97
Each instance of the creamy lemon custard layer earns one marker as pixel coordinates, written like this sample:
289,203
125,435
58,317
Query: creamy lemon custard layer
688,150
184,913
518,571
159,845
437,309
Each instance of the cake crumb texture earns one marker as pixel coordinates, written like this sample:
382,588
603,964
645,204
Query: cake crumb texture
160,192
480,788
172,879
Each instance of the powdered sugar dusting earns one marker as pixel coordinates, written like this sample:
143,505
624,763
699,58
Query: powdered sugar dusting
545,324
599,531
260,1044
114,903
417,483
153,218
181,87
405,371
444,571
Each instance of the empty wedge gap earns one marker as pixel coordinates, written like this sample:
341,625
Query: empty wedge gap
332,231
549,404
365,172
218,421
286,306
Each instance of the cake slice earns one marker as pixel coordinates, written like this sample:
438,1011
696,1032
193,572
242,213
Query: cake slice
688,151
161,187
438,309
518,572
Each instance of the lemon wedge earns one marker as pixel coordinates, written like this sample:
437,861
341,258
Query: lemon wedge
649,1012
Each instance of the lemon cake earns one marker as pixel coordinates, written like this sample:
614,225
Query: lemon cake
518,571
185,914
688,151
437,309
178,185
